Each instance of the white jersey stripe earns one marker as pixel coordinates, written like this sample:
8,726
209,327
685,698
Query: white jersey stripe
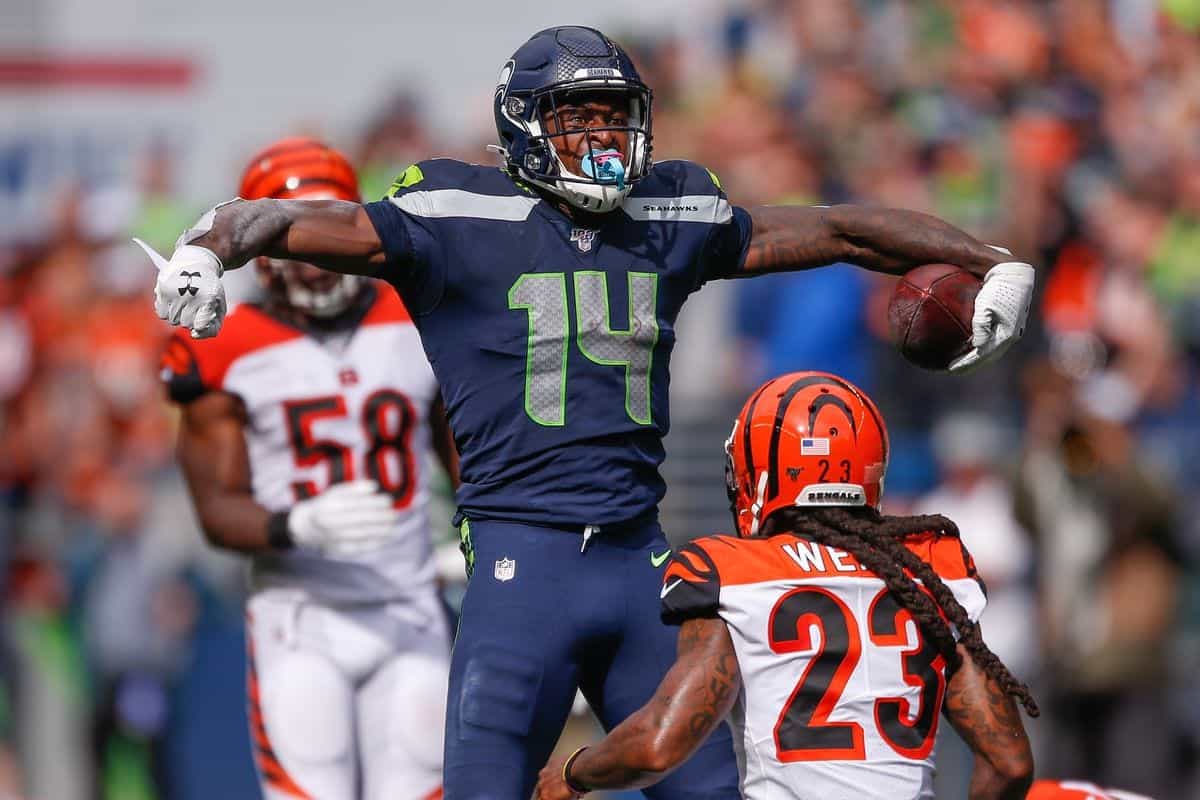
441,203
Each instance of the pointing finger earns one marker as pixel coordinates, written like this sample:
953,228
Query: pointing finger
159,262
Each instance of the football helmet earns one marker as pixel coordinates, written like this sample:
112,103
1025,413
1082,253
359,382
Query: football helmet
544,72
303,169
804,439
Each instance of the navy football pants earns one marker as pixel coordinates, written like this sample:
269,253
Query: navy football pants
562,619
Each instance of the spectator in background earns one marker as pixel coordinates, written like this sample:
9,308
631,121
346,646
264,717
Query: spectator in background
160,209
970,450
135,616
974,492
1108,588
394,138
85,445
832,303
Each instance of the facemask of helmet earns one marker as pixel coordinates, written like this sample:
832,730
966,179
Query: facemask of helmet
549,70
605,176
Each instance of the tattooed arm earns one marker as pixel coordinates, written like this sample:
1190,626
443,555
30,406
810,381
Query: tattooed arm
988,721
334,234
690,702
881,239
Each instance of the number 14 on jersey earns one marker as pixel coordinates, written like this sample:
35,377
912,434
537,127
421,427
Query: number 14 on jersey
544,296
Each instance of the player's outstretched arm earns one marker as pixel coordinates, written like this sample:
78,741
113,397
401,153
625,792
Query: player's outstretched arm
894,241
693,698
334,234
891,240
987,719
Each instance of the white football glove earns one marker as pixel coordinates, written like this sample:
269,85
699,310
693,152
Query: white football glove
1001,309
345,519
188,291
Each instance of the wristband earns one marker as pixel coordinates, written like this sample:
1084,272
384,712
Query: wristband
574,786
278,535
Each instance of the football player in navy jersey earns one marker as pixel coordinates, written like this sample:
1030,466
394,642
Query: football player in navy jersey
546,292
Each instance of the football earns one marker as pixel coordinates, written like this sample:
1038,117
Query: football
929,316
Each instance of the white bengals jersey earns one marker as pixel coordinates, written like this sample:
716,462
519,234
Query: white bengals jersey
841,693
319,412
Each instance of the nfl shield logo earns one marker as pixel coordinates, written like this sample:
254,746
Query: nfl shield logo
506,569
583,237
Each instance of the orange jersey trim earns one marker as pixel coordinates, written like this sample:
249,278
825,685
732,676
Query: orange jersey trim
788,557
387,308
273,772
249,329
246,330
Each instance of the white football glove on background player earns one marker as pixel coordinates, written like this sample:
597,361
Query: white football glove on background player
346,519
1001,310
188,291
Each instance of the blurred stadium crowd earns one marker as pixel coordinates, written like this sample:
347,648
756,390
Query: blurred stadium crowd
1067,131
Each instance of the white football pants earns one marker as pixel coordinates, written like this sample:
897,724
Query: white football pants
347,702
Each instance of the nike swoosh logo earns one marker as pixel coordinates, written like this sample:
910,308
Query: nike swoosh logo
657,561
667,589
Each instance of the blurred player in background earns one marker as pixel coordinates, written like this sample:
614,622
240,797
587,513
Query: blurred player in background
546,293
834,634
305,436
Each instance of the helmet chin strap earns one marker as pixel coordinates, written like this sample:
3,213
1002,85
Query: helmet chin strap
756,508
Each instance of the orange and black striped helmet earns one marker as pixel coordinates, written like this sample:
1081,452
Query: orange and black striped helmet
804,439
299,168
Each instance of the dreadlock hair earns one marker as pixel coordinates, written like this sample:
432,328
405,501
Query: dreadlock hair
877,542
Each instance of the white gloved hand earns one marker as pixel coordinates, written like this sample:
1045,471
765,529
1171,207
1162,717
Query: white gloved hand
345,519
188,291
1001,309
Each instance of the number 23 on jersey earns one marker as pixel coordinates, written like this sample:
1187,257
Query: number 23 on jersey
804,731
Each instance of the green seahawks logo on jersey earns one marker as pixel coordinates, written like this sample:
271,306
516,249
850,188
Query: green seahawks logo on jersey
410,177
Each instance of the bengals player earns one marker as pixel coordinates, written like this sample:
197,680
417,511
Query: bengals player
832,636
305,435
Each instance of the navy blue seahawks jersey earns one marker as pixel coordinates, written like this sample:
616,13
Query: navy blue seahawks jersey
552,342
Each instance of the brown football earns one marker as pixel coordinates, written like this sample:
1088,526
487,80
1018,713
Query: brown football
929,316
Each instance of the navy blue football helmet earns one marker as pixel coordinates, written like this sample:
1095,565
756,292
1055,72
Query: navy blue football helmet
541,75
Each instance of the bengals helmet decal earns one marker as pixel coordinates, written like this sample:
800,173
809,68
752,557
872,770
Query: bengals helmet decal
804,439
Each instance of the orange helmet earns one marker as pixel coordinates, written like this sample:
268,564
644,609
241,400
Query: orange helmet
804,439
297,168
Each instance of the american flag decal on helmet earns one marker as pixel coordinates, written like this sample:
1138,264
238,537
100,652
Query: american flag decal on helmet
814,447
